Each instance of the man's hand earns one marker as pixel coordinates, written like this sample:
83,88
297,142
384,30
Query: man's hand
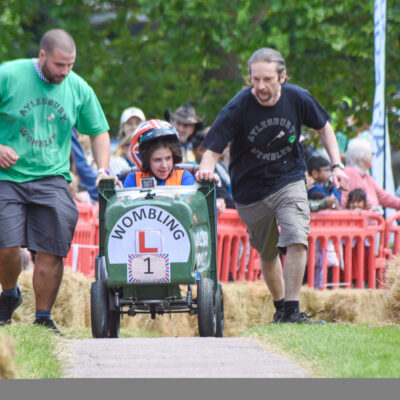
8,156
339,179
332,202
207,167
104,175
205,175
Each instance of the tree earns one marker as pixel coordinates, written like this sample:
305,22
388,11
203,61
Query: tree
161,54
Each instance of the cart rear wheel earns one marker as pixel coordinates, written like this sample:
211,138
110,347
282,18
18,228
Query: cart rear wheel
99,309
206,307
114,322
219,311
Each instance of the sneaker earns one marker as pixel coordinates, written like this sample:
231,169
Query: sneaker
277,318
8,304
302,318
47,323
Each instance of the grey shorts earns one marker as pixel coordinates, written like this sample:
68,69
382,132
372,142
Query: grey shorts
287,208
39,214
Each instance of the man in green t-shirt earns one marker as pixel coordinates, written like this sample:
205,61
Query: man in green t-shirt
41,100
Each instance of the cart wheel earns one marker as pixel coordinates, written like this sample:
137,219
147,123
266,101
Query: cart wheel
219,311
99,309
114,322
206,309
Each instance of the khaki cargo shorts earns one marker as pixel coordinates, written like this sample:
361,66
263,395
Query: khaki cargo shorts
287,208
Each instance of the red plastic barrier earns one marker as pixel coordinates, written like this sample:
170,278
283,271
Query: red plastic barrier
236,259
85,211
353,229
84,248
393,229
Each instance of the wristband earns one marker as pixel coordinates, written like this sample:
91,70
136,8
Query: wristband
340,165
102,171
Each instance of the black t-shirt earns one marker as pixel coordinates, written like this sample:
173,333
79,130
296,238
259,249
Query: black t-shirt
265,152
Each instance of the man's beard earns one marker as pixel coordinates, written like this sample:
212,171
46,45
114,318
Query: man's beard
49,76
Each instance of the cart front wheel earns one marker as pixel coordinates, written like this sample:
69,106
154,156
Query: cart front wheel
99,309
206,308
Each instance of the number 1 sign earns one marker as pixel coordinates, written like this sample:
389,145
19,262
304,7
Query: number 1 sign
148,268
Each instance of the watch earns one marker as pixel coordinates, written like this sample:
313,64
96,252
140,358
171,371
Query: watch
340,165
102,171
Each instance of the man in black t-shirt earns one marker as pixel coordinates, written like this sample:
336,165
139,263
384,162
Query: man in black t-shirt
267,169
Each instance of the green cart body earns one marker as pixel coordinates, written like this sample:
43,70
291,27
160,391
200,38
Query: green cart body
153,242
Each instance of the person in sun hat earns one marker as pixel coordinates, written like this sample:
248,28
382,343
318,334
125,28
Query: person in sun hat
186,122
130,119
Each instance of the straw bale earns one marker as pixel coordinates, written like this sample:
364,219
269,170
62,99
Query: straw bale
392,299
173,325
246,304
354,306
7,354
72,306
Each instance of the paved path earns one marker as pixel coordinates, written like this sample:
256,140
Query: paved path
182,357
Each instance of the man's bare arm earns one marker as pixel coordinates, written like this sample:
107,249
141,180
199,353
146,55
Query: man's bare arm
328,140
207,167
101,153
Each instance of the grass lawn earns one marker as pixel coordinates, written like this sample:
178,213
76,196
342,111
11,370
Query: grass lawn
35,351
335,350
331,350
38,349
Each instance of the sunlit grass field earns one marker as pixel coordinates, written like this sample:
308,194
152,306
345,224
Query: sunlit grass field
337,350
39,352
331,350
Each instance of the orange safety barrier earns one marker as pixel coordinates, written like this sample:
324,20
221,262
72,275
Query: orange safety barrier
362,234
84,248
236,259
392,228
85,211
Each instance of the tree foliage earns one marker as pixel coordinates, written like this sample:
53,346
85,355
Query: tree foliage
159,54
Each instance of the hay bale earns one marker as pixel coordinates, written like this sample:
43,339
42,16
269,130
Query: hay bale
392,298
7,354
246,304
72,306
353,306
173,325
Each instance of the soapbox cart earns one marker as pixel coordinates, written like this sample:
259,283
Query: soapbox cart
155,241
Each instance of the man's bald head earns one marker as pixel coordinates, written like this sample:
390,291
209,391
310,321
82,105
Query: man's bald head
57,39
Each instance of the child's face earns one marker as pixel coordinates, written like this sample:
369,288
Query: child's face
323,175
161,163
357,205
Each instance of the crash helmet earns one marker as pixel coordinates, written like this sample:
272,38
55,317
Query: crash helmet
149,131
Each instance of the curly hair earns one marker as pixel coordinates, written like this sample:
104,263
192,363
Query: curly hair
146,150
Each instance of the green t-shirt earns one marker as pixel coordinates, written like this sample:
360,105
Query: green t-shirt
343,141
36,120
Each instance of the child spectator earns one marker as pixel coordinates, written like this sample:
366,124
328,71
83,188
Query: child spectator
159,151
322,195
357,200
319,169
